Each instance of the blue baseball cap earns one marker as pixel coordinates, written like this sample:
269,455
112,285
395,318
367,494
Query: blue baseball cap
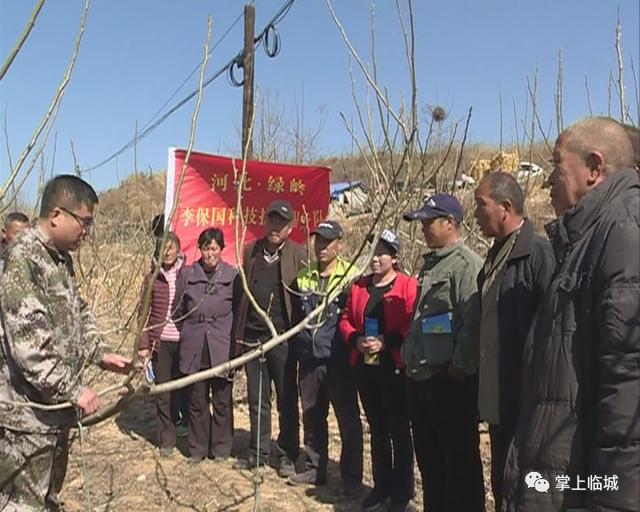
438,205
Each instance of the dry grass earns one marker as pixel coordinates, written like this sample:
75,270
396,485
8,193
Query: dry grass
127,474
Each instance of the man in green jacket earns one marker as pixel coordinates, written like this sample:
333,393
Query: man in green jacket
324,373
441,357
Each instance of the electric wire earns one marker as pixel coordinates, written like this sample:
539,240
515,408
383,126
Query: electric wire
194,70
269,37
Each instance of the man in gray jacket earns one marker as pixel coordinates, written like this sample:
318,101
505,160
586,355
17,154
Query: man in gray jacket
579,427
441,357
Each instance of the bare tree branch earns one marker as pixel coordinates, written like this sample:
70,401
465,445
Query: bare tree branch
623,113
464,139
635,89
53,107
23,37
146,301
559,120
609,92
363,68
586,88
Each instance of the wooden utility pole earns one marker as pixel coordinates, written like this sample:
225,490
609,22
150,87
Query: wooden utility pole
247,64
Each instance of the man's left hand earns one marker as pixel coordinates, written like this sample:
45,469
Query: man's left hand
116,363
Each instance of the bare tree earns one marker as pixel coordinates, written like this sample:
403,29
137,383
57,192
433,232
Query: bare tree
45,125
403,153
281,135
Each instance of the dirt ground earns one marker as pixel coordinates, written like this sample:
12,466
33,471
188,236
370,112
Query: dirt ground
123,471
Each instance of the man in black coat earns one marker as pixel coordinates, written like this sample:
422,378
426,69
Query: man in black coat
512,282
577,443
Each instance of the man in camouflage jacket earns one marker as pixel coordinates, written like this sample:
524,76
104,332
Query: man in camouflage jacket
48,336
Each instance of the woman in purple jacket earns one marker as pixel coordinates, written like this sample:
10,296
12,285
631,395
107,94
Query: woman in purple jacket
159,338
203,312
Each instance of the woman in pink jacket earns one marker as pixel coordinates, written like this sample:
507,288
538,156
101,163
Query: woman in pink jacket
160,337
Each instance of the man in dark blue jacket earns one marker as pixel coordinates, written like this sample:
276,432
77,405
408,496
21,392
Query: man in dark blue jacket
324,372
512,282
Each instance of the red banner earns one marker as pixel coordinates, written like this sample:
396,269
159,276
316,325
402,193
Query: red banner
208,197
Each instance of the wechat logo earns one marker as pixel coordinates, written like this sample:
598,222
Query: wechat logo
534,480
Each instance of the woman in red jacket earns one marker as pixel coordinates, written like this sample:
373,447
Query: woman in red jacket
375,322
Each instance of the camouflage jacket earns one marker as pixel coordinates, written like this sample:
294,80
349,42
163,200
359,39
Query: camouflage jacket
48,335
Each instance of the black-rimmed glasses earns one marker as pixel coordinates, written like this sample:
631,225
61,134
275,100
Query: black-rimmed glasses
86,223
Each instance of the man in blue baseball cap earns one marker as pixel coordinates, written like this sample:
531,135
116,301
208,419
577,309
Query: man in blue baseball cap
441,358
436,206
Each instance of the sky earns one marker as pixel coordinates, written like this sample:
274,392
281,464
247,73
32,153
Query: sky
136,54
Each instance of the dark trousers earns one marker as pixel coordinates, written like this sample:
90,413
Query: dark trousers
210,415
166,364
500,440
447,443
321,383
385,397
280,366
